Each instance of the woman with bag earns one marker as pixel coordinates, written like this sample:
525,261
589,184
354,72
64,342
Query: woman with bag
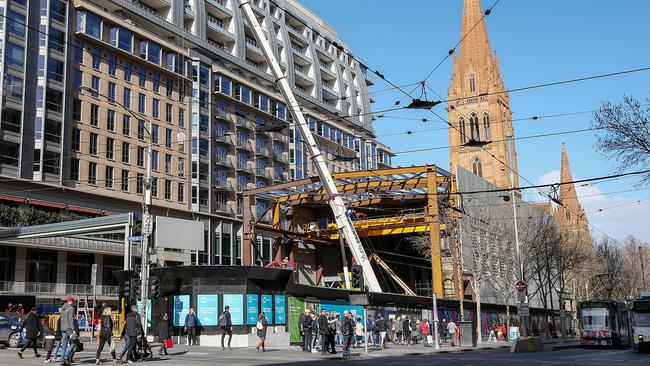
262,325
163,335
105,334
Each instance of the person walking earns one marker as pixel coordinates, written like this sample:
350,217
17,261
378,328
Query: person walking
493,332
380,325
225,320
48,338
190,327
130,333
33,330
163,333
406,330
306,329
451,329
105,334
443,331
323,330
67,327
424,330
358,331
262,325
370,328
348,332
331,325
399,330
339,332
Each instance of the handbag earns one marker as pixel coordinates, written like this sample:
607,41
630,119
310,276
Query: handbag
167,343
429,339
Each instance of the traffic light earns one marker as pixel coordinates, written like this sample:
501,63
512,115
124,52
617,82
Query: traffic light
357,277
126,289
154,289
137,284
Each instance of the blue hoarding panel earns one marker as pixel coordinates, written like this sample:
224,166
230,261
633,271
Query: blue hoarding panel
267,307
207,309
181,309
236,304
280,309
252,309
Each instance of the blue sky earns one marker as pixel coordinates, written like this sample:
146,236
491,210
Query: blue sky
537,42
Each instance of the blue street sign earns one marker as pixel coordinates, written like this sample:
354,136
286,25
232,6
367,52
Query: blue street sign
135,238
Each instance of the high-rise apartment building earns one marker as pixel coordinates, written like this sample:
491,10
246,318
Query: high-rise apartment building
86,83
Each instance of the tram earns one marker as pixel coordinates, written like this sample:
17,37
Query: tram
640,322
603,324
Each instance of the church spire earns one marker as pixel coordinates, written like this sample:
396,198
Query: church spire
570,213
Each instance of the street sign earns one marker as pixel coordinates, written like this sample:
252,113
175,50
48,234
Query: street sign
562,313
359,299
523,309
93,274
146,224
135,238
520,286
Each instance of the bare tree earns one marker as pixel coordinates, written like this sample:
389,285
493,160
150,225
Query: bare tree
627,133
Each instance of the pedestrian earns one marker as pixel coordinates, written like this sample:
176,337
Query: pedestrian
399,329
9,308
406,330
48,337
163,334
424,330
190,327
380,325
105,334
339,332
67,326
225,321
370,328
323,330
358,331
302,331
348,332
306,329
130,333
451,329
33,330
493,332
331,324
443,331
58,338
74,343
262,325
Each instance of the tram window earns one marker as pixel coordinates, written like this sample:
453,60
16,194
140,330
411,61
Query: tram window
642,319
595,318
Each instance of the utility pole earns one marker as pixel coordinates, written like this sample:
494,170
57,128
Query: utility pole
335,201
521,297
146,231
642,267
346,274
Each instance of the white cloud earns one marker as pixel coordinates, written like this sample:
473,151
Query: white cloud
616,222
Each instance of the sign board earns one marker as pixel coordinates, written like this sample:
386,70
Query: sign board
179,234
267,307
93,274
520,286
280,309
135,238
207,309
523,309
181,309
236,304
252,309
359,299
146,224
513,333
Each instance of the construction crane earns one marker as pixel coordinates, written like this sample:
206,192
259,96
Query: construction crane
336,202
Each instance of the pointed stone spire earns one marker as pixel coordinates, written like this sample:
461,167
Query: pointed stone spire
570,214
475,48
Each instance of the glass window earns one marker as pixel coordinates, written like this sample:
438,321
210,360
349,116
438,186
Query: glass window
57,10
246,94
171,61
126,125
54,100
140,156
122,39
225,85
204,123
14,55
154,133
141,103
181,117
55,69
140,129
142,77
124,182
111,92
139,183
78,80
155,80
41,265
168,138
112,64
78,51
92,148
76,109
15,23
168,113
94,85
110,120
79,268
181,192
127,71
13,87
153,53
93,25
204,73
96,58
126,152
57,41
94,115
155,108
52,130
110,148
154,160
127,98
74,169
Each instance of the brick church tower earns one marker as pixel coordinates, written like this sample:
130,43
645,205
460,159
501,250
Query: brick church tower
570,215
479,115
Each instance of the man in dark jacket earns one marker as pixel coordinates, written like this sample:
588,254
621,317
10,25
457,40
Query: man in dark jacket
306,328
323,330
130,332
406,328
348,332
33,330
226,325
191,322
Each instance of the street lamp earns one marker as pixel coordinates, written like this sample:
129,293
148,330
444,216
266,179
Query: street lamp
146,205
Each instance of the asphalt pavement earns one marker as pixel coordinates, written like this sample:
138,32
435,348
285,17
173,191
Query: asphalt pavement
489,354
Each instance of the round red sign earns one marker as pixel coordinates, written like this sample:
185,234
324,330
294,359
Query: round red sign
520,286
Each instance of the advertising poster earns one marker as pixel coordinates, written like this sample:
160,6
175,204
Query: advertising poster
340,307
139,305
207,309
236,304
296,308
252,309
267,307
280,309
181,309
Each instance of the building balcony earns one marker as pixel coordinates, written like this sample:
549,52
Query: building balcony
222,114
262,150
222,207
279,178
240,187
279,136
189,10
369,79
263,173
222,185
244,144
219,4
244,123
280,157
226,139
222,160
267,217
57,290
244,167
297,32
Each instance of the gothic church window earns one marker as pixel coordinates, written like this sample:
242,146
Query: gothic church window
486,126
461,127
473,124
472,84
477,167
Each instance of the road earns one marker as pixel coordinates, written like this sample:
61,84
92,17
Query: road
413,356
